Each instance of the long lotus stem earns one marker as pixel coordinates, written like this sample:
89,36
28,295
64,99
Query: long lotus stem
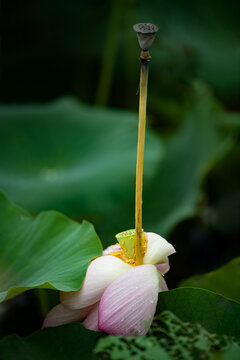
146,33
140,158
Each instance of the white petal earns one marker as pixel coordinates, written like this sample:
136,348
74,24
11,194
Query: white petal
158,249
60,315
91,321
101,272
128,304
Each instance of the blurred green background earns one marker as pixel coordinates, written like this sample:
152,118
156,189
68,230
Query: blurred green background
68,121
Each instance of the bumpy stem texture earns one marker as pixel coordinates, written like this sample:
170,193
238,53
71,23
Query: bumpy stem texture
140,158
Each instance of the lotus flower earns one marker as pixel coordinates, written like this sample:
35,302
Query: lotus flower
118,297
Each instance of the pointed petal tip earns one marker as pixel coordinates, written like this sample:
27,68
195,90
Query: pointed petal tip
158,249
60,315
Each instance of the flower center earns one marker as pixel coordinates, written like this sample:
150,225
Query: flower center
126,240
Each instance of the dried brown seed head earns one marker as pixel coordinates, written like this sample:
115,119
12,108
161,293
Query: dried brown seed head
146,33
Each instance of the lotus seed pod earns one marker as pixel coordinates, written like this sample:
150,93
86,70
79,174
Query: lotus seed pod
146,34
126,240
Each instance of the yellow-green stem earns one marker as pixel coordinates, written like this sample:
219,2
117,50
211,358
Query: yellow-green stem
140,158
42,296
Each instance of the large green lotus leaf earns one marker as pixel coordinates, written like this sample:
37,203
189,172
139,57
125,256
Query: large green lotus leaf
70,157
69,342
214,312
224,281
168,338
231,353
143,347
49,251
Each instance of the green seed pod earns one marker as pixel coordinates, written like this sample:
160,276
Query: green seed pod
127,240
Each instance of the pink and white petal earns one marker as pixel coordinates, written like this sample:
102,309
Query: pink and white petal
101,272
163,268
163,285
128,304
158,249
60,315
111,249
91,321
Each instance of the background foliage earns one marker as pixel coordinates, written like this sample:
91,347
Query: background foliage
69,77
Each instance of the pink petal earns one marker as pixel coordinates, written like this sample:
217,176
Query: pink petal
163,268
91,321
158,249
101,272
111,249
163,285
60,315
128,304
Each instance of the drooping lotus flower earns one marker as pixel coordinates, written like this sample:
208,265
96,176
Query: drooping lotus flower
117,296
